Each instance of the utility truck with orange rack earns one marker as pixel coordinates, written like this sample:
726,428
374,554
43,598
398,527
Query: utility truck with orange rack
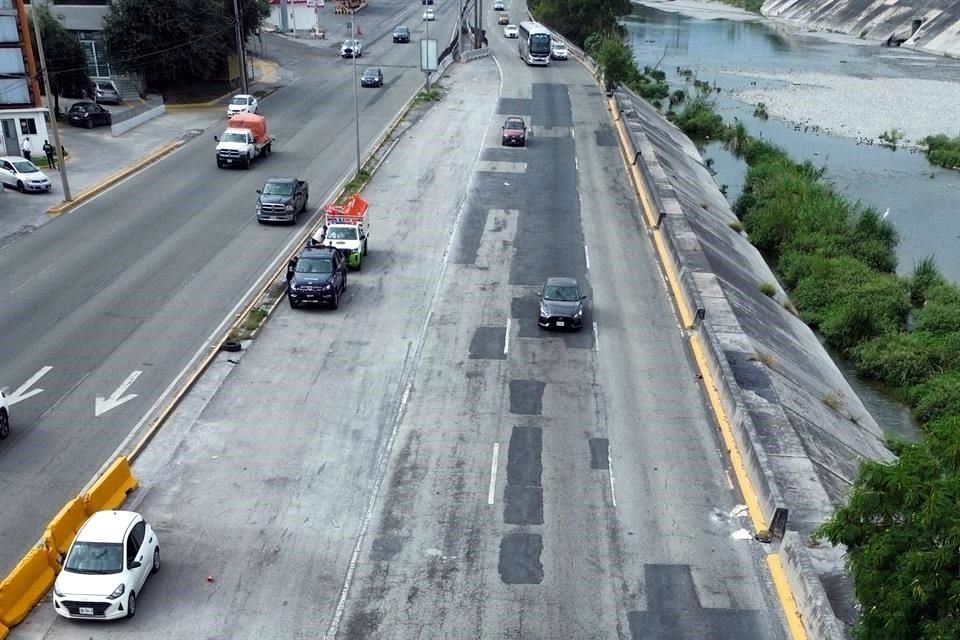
347,228
244,140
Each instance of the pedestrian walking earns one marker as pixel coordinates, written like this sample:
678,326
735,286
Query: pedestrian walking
26,148
51,157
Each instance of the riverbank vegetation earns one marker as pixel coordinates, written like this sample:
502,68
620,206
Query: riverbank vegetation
943,151
750,5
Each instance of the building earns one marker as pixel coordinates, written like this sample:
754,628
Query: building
21,113
84,20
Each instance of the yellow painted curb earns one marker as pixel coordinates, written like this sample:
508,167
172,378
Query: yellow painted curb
113,179
794,620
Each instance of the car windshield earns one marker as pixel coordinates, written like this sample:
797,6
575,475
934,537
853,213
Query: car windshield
278,189
242,100
314,265
234,137
25,166
561,294
95,558
342,233
370,73
514,124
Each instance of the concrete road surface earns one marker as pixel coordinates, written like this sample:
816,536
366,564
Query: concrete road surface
117,298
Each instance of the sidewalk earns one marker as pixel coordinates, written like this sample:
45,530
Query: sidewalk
95,154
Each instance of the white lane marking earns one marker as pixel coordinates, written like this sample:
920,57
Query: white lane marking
101,405
506,339
576,164
729,479
494,462
596,338
586,255
613,488
24,391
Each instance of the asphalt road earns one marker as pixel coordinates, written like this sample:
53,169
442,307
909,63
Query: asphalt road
130,287
425,462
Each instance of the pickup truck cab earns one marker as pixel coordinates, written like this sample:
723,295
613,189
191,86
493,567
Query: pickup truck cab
317,275
282,200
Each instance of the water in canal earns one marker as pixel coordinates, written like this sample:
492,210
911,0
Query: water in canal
750,56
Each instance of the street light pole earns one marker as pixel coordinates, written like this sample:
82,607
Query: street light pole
241,58
356,96
50,108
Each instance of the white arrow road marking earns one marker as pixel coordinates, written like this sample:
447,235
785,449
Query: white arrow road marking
102,405
24,391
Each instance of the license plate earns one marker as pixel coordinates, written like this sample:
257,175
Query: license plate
561,323
310,295
229,160
86,611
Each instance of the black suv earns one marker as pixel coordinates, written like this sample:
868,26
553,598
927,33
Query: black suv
282,200
318,276
401,34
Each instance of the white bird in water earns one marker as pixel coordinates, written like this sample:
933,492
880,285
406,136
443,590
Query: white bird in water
886,213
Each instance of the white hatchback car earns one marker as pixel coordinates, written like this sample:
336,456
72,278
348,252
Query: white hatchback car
4,416
22,175
106,567
242,103
428,15
511,31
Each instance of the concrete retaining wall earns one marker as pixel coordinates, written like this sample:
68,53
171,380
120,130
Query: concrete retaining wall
145,113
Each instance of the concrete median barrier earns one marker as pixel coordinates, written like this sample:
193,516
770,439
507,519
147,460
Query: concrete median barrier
110,490
25,586
63,528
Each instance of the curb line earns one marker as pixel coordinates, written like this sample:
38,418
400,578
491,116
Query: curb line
114,178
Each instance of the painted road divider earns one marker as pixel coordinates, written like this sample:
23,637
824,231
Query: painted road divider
25,586
63,528
110,490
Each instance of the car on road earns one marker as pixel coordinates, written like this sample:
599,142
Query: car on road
106,567
426,1
372,77
242,103
498,5
22,175
351,48
318,275
511,31
561,304
89,115
503,18
4,416
106,92
514,132
558,50
428,15
282,200
401,34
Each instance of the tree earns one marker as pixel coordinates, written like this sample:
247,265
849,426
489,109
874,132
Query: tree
577,19
901,529
66,63
175,42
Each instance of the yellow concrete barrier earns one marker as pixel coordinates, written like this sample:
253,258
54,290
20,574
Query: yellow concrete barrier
25,586
111,489
60,532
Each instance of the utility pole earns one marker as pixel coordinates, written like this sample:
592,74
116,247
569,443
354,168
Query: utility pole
426,72
477,31
53,114
459,56
356,96
241,55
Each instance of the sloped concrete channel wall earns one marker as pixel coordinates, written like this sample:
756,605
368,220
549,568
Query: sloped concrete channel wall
939,20
799,426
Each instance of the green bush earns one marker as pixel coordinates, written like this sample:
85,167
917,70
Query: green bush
698,119
943,151
937,398
924,277
898,359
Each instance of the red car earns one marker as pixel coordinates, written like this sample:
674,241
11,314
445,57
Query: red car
514,132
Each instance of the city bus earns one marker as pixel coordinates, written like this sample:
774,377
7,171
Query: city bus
534,45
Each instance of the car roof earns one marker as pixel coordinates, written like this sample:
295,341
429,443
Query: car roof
316,252
371,70
402,27
13,158
281,179
86,103
107,526
562,282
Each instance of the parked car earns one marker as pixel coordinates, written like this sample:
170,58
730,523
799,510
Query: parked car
318,275
106,92
426,1
4,416
498,5
351,49
106,567
282,200
401,34
561,304
428,15
503,18
514,132
558,50
372,77
22,175
511,31
89,115
242,103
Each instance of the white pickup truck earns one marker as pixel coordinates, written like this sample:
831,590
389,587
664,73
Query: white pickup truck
244,140
347,228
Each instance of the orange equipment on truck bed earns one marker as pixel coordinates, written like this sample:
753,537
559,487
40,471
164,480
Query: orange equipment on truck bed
351,212
255,123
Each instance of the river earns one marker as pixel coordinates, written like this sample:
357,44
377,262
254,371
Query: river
829,97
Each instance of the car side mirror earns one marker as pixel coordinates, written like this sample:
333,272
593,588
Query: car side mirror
539,293
583,297
291,266
216,138
136,564
258,190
